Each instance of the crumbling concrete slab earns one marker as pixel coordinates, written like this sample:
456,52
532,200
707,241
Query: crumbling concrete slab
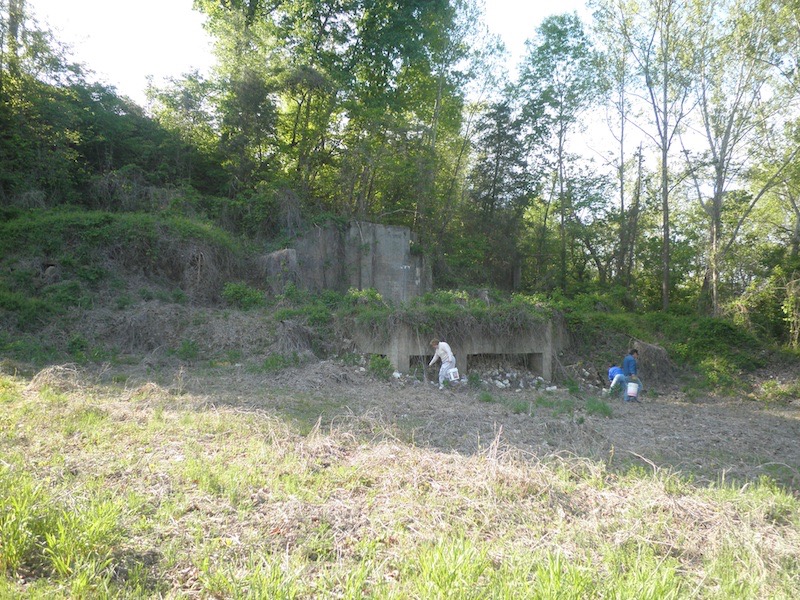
535,347
359,255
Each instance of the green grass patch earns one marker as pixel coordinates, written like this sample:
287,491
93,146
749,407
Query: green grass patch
70,543
557,404
240,295
381,367
278,362
597,407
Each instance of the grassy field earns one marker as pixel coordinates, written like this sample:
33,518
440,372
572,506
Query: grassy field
116,489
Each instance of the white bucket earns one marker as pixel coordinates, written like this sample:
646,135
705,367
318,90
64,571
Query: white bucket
633,390
452,374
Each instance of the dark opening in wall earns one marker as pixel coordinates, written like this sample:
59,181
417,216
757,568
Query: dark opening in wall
417,365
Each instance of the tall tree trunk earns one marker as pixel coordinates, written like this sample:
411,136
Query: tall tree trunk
665,261
623,230
633,223
16,16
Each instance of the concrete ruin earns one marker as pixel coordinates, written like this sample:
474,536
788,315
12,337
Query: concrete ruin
364,256
360,255
532,348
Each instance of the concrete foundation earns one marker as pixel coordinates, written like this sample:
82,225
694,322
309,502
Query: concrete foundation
405,348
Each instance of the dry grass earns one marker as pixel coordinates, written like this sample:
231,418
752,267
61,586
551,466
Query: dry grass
211,479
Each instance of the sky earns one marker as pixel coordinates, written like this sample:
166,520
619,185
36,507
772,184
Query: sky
125,42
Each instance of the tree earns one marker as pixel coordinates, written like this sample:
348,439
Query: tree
498,194
559,78
38,121
620,78
737,94
661,41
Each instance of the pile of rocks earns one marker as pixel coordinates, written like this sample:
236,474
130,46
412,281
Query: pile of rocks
512,379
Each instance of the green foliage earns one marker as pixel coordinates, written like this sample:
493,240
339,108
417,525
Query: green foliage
188,350
294,295
77,344
27,348
614,300
123,301
559,405
519,407
351,359
573,386
315,314
240,295
448,568
66,294
76,242
456,313
597,407
718,349
78,238
485,396
474,380
364,298
29,312
380,367
777,392
8,391
278,362
72,542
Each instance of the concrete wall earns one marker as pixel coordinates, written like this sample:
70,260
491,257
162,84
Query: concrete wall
535,346
379,257
362,256
321,259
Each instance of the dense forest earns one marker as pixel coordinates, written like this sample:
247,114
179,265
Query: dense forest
405,113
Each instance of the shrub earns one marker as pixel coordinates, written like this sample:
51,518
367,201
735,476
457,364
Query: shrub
278,362
188,350
595,406
380,366
242,296
366,297
486,397
474,380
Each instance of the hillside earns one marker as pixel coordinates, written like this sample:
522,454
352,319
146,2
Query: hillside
202,438
147,298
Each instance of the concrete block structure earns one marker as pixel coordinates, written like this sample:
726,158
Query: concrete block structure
364,256
533,348
358,255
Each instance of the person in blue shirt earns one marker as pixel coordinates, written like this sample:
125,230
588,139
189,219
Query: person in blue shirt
630,370
616,378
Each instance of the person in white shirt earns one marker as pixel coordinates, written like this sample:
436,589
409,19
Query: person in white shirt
443,352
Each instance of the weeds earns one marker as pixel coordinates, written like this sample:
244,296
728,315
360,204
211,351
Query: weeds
40,535
485,397
597,407
228,501
240,295
278,362
381,367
